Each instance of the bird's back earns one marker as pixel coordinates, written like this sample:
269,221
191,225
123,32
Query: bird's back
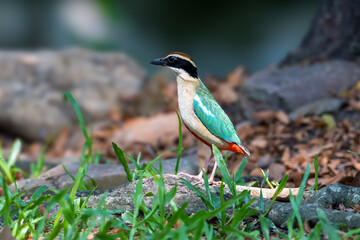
213,116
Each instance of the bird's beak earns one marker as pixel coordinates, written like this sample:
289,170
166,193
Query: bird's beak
158,61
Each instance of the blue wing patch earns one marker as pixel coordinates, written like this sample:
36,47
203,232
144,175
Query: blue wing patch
213,116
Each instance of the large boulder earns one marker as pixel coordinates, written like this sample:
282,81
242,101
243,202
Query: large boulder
290,88
32,86
106,176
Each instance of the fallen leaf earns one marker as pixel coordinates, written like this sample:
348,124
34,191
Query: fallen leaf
225,94
282,117
342,207
307,227
333,165
355,163
237,77
264,116
286,155
245,130
296,176
259,142
330,180
356,181
356,207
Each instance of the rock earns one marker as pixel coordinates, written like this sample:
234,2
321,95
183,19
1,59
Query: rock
290,88
279,210
5,233
319,107
32,86
276,171
106,176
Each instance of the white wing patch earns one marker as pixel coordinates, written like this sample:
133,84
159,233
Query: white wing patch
202,106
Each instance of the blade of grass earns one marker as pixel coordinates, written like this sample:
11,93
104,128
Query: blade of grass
241,234
351,233
172,221
223,169
238,198
178,157
266,177
137,166
222,201
316,167
207,188
80,118
161,192
296,213
68,173
199,193
240,170
265,227
244,212
138,195
79,178
327,226
5,211
14,152
41,160
262,204
7,170
120,155
302,185
278,191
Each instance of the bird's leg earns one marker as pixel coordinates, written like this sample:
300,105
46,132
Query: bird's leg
211,179
208,161
199,177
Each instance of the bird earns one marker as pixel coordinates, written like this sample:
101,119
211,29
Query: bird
200,112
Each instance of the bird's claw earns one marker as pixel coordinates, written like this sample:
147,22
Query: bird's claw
197,177
200,179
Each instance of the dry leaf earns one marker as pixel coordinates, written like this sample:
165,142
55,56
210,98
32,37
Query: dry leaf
282,117
356,207
259,142
342,207
286,155
264,116
331,180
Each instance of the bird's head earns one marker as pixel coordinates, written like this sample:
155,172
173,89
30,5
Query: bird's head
180,63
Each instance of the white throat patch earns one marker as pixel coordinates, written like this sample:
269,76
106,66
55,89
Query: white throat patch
181,73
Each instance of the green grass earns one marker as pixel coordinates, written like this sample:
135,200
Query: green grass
75,220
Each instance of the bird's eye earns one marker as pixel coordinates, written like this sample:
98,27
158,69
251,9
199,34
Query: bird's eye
171,59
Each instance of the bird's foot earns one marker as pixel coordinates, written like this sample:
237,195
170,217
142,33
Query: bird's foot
196,177
200,179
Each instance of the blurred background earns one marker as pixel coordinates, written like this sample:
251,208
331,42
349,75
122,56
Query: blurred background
218,35
99,51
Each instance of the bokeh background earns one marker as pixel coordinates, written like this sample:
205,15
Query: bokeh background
218,35
100,51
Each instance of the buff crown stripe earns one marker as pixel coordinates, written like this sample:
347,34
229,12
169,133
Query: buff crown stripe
181,55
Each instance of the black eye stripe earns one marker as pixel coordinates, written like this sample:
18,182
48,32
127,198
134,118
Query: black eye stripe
177,62
171,59
186,66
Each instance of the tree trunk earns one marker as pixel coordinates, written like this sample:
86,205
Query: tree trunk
334,34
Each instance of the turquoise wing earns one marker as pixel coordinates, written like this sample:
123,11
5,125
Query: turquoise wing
213,116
